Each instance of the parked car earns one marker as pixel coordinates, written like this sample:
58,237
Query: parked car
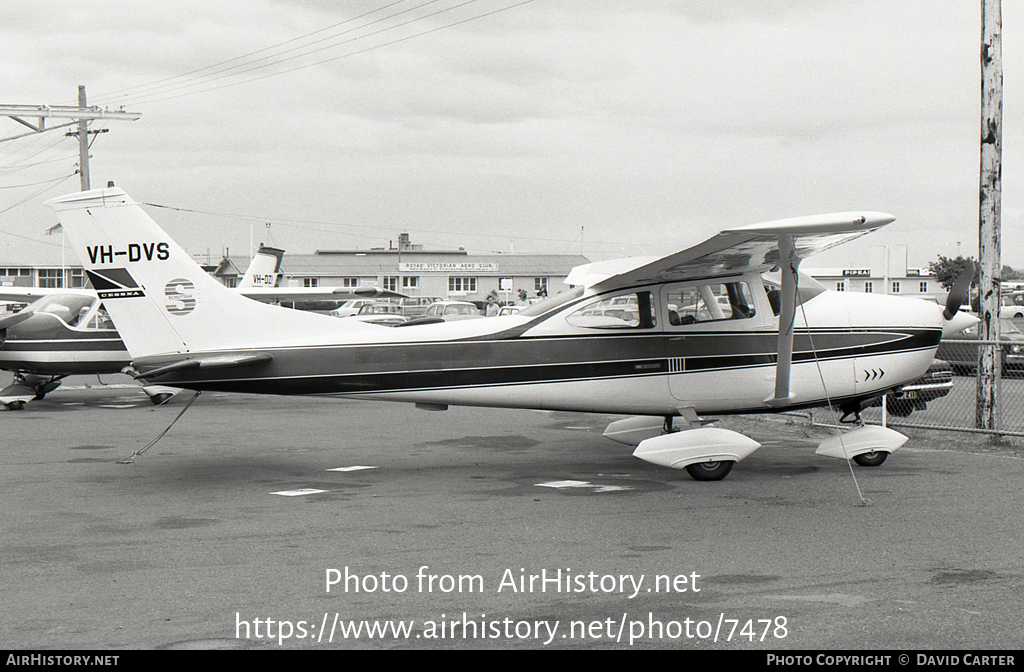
414,306
934,384
351,307
962,354
509,310
383,313
1012,305
453,310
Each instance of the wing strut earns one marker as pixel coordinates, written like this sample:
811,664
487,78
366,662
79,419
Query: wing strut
789,261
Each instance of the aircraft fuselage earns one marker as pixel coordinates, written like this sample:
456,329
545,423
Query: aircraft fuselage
47,344
642,350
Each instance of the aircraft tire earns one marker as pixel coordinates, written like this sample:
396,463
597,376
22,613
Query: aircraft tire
15,405
158,399
709,471
872,459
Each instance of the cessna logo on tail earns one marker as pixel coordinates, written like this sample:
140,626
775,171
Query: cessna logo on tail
114,283
105,254
180,294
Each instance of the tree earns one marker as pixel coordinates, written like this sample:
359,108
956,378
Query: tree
946,270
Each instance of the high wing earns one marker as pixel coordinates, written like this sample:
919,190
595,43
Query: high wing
735,251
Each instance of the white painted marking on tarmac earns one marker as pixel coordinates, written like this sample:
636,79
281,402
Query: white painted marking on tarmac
584,484
564,484
105,386
118,405
298,493
357,467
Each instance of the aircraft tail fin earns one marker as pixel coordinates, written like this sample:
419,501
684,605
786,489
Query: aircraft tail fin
264,269
160,299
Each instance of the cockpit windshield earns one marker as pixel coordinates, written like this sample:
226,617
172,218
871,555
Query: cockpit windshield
553,302
70,308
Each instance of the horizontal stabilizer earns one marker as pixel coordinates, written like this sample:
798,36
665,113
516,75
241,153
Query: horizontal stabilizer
369,292
30,294
866,439
208,362
705,444
317,293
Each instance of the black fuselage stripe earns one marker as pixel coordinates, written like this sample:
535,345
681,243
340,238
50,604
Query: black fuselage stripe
460,365
92,345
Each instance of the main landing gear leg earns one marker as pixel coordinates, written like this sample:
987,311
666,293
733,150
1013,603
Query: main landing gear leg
669,427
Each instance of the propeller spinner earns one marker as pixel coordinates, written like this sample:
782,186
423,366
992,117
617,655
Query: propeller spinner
955,321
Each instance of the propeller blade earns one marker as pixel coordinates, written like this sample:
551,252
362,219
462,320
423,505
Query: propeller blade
959,294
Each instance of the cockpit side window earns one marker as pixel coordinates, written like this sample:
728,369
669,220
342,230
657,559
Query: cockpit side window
69,308
694,304
624,311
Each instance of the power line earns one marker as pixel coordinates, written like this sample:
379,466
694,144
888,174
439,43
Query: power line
153,86
62,180
41,191
23,166
142,99
33,184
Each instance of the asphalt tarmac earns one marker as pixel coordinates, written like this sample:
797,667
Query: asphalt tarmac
229,532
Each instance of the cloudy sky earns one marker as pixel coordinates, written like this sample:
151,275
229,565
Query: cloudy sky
612,128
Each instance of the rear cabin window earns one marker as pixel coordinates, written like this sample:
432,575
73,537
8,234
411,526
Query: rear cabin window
695,304
625,311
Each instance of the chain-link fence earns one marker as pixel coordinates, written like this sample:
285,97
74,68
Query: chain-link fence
947,396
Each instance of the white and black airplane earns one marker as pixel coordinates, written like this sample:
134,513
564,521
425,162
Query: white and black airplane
664,340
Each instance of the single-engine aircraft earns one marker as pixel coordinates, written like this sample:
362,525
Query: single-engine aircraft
701,331
65,332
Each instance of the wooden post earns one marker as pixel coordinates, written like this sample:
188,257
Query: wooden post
987,412
83,143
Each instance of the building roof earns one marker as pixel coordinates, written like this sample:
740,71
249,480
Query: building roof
361,264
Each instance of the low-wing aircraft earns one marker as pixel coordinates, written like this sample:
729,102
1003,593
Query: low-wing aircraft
697,332
65,332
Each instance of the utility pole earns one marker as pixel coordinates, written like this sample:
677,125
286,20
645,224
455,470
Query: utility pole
989,365
80,115
83,143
